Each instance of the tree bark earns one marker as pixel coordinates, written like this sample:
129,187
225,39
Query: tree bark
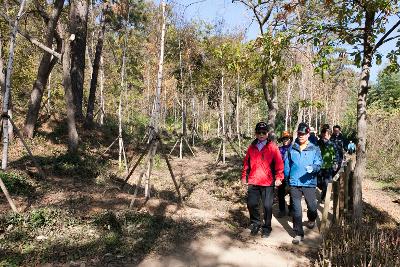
45,67
95,71
361,156
2,76
7,93
102,102
238,102
271,98
69,98
223,118
156,114
78,27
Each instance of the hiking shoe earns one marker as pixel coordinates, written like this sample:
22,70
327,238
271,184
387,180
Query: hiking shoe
265,233
254,228
310,225
297,239
281,214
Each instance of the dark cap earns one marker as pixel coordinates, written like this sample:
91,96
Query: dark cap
303,128
262,126
325,126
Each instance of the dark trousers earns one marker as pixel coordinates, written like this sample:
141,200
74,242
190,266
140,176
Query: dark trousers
309,194
326,176
266,193
281,198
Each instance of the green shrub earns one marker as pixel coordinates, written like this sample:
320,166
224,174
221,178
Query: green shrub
42,217
16,184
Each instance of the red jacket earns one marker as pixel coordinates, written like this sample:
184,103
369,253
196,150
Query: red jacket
260,167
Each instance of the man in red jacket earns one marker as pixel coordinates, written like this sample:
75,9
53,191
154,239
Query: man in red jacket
262,170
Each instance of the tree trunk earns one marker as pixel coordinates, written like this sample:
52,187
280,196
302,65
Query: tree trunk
287,108
102,102
2,76
78,27
69,98
7,93
45,67
223,118
156,114
271,98
95,71
361,156
238,102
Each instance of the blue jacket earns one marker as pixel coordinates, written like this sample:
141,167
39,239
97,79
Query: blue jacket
296,162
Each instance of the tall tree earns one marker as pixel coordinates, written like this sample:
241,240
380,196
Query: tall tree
45,66
78,17
96,66
272,17
365,25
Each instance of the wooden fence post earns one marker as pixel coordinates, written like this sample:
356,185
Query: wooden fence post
342,198
335,188
346,186
325,212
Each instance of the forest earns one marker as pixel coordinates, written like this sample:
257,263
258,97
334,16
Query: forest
125,125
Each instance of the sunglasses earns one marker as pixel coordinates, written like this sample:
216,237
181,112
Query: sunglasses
261,132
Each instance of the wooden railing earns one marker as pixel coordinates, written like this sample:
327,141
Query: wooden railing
340,188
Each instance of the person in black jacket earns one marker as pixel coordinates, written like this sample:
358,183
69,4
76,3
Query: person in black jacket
341,145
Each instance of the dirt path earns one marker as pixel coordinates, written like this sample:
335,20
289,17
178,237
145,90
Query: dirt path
381,200
225,241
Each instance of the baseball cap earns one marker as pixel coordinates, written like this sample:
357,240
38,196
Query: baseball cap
303,128
262,126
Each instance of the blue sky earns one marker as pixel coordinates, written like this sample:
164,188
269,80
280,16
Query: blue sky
236,17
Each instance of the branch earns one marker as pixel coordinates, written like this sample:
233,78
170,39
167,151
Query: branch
391,38
382,40
41,11
32,39
269,12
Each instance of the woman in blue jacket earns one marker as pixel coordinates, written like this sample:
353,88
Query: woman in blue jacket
302,164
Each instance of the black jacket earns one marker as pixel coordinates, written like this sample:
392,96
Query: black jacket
340,143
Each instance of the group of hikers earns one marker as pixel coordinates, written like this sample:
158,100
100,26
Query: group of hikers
298,167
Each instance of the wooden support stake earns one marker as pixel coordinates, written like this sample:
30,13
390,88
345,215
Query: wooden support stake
187,143
41,172
346,186
136,164
335,187
150,167
325,212
137,186
219,153
170,171
8,197
109,147
172,150
342,181
124,154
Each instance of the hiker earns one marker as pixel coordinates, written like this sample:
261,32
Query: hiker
329,161
302,163
286,140
351,148
324,126
313,137
340,144
261,162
